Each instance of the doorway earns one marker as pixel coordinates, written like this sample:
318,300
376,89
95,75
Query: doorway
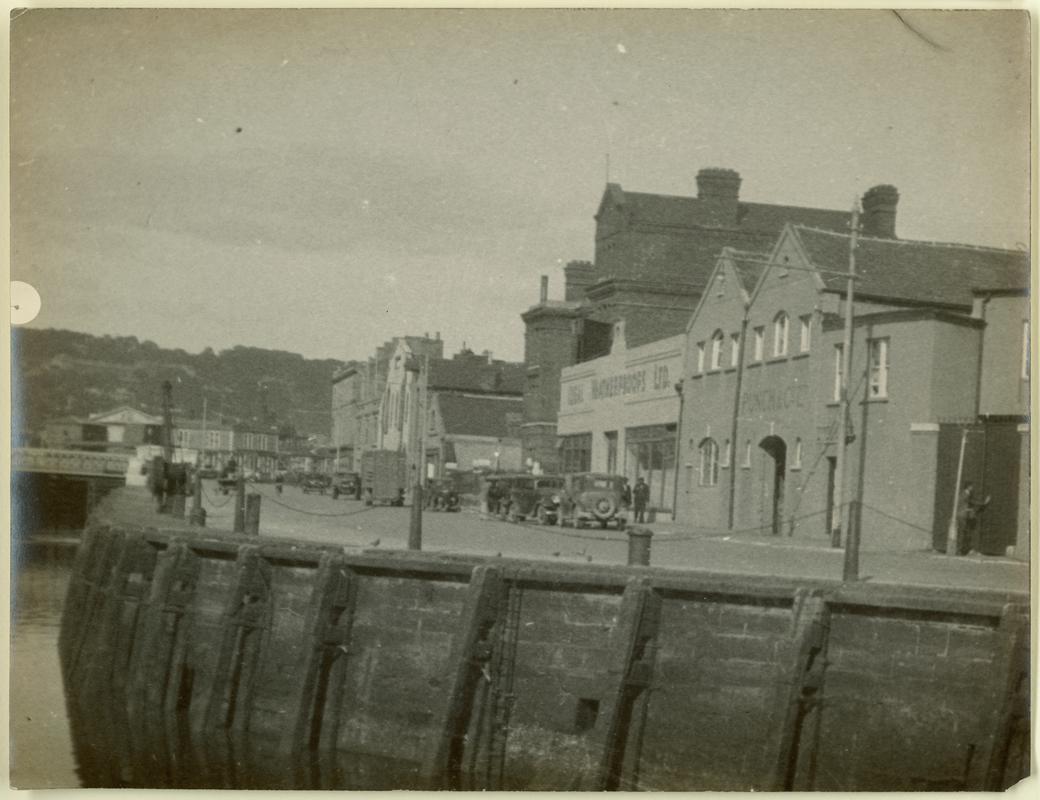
776,449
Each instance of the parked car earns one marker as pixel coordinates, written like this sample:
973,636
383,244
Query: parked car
314,483
534,498
499,490
442,495
346,483
592,498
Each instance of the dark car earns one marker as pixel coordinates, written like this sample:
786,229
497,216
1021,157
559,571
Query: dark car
592,498
314,483
442,495
348,484
498,491
535,498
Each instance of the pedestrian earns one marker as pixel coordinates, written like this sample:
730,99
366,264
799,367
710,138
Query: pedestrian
968,511
626,493
640,495
279,480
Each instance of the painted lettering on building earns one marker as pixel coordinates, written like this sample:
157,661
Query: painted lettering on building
627,383
773,400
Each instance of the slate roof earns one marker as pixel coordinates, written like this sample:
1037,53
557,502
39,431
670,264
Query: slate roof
475,374
479,416
934,273
749,268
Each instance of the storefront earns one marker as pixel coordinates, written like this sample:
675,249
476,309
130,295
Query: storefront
619,414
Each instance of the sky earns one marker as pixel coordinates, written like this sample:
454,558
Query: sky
320,181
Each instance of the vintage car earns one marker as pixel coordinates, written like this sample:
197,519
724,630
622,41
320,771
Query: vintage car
441,494
592,498
498,490
347,484
314,483
534,498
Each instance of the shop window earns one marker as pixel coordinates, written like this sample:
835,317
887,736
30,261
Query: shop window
805,333
837,372
878,368
780,328
760,339
576,452
716,349
709,463
796,462
734,349
700,356
1025,349
650,455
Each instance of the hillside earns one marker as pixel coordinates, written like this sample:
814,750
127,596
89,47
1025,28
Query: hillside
58,372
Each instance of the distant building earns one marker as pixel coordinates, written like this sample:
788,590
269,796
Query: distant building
939,347
73,433
129,426
374,406
653,256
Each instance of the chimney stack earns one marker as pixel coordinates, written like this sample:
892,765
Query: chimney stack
879,212
718,190
544,294
578,276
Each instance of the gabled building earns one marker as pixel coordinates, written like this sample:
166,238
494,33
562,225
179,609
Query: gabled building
653,256
129,426
939,347
472,431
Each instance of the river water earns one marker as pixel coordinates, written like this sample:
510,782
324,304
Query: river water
40,743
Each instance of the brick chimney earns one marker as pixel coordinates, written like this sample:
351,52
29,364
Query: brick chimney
719,192
879,212
578,276
543,294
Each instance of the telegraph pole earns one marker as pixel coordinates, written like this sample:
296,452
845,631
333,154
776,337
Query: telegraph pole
846,366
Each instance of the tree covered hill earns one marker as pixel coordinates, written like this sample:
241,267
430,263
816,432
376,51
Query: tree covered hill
56,373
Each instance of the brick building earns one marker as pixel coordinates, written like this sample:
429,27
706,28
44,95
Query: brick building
939,347
653,256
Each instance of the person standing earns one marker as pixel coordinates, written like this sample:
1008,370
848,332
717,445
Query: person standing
640,497
626,493
968,511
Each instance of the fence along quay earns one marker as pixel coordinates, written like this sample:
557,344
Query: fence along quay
199,661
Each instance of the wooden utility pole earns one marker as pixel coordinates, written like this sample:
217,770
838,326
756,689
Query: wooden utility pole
843,409
415,523
167,411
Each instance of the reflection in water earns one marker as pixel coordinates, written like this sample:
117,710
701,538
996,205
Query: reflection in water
41,747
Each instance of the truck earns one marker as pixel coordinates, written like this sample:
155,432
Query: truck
383,477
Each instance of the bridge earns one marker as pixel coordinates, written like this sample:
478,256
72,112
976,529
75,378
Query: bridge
55,490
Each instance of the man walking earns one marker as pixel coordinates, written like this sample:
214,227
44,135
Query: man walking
640,496
968,511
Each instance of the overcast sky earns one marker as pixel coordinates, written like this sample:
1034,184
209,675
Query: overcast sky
319,181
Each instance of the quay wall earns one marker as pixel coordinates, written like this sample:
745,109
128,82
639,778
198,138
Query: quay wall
229,662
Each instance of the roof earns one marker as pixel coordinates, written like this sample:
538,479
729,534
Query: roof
934,273
479,416
749,267
473,373
126,414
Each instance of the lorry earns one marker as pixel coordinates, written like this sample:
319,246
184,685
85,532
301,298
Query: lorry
383,477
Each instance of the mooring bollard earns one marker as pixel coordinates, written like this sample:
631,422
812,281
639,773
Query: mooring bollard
639,546
252,520
850,571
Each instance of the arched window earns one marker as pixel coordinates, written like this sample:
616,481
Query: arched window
709,462
780,331
717,339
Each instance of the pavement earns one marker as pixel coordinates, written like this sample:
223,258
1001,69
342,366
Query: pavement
352,525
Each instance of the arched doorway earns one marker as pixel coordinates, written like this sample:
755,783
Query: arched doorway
776,449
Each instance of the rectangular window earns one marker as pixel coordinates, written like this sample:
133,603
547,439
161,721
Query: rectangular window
700,356
709,463
576,453
805,336
213,438
837,372
878,368
1025,349
734,349
760,340
780,335
727,454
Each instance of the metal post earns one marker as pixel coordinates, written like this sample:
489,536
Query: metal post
240,504
850,572
198,513
639,546
252,514
951,529
846,366
415,524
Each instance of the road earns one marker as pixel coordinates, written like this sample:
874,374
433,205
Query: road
350,524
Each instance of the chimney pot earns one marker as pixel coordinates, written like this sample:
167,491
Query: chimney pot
879,211
544,294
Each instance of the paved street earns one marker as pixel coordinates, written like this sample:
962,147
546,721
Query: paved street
349,523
